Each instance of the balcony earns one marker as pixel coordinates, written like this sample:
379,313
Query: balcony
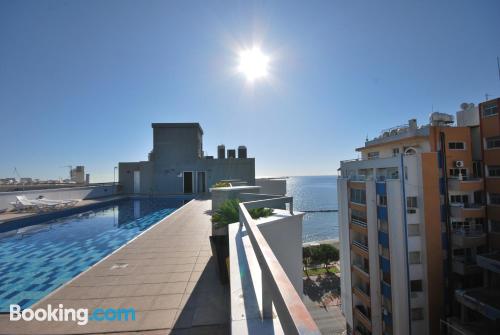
489,262
465,185
362,271
361,314
360,248
463,211
482,300
465,266
265,273
362,294
359,226
468,236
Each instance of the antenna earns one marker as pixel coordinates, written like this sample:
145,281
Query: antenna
487,96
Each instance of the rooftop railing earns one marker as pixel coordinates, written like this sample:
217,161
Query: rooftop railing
276,286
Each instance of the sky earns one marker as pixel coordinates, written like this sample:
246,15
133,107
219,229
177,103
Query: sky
82,81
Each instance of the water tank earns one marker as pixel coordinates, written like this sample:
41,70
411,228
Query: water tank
440,119
242,151
231,153
221,151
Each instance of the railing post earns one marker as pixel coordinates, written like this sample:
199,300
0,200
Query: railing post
267,302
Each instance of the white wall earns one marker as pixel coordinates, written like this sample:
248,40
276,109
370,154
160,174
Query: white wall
373,258
88,192
271,186
287,247
399,269
221,194
345,253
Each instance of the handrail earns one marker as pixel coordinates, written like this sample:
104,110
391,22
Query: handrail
360,245
276,286
359,222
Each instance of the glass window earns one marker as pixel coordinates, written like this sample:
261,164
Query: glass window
495,226
490,110
373,155
382,200
411,202
414,257
461,198
358,215
358,196
417,314
495,198
414,229
456,172
416,285
383,226
456,145
493,142
395,152
494,171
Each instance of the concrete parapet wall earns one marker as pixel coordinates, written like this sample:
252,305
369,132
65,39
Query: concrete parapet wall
221,194
88,192
271,185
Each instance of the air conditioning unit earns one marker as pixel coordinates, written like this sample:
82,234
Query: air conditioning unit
459,164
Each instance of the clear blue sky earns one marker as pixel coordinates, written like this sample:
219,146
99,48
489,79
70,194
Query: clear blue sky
81,81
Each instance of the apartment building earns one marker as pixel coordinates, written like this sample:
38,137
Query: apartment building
412,219
479,303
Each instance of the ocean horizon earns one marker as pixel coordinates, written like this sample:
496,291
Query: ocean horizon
314,193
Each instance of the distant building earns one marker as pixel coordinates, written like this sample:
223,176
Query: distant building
25,180
77,175
8,181
177,164
417,227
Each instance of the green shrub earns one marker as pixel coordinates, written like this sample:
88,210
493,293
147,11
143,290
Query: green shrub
229,213
221,184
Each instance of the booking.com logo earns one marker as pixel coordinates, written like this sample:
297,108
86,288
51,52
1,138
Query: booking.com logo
80,315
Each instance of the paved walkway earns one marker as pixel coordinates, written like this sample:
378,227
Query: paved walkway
321,297
167,274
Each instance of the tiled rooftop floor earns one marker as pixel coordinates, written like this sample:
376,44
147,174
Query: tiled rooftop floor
169,278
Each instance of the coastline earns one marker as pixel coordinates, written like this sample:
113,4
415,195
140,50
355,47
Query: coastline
334,242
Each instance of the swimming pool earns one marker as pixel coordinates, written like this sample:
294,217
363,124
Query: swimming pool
36,259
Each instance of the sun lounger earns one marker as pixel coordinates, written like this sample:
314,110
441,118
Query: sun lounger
24,203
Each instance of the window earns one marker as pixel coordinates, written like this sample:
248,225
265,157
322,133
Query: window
456,145
416,286
384,252
373,155
414,257
461,198
358,215
495,226
383,226
358,196
495,198
395,152
417,314
490,110
382,200
411,202
494,171
456,172
493,142
414,229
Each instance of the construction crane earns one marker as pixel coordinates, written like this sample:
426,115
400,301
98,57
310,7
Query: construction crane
70,168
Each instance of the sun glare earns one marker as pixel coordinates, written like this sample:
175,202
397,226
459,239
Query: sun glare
253,64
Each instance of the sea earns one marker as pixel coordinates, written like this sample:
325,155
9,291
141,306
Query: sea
314,193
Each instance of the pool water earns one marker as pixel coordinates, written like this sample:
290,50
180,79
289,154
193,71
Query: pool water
37,259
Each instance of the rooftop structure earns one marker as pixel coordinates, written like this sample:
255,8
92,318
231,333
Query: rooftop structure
177,164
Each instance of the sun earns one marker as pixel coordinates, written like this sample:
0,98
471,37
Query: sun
253,64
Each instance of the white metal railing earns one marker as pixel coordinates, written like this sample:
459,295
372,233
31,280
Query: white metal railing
358,222
276,286
360,245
